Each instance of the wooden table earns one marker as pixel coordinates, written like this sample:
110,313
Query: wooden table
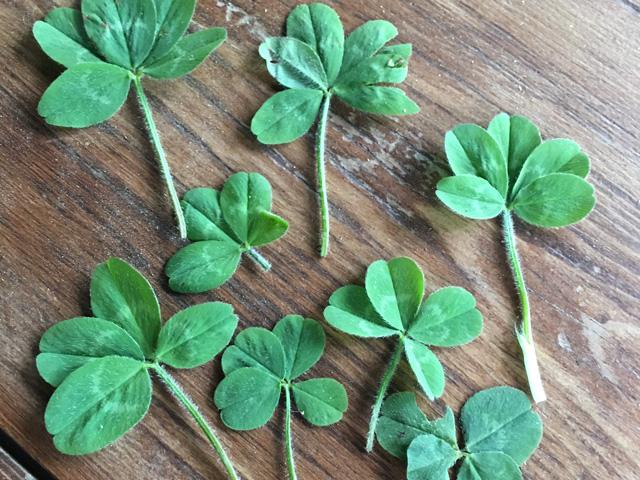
71,198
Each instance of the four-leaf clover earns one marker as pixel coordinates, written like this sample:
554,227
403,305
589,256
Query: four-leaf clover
315,62
390,304
111,43
101,365
224,225
508,168
261,364
499,429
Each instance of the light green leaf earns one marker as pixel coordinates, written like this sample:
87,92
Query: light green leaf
97,404
401,421
549,157
351,311
555,200
266,228
124,32
489,466
84,95
472,151
172,20
579,165
202,266
120,294
287,115
61,48
196,334
470,196
430,458
426,367
448,318
203,216
381,68
70,344
517,137
243,197
293,63
395,289
303,342
69,22
247,398
256,347
500,419
321,401
403,49
364,42
190,51
379,100
319,26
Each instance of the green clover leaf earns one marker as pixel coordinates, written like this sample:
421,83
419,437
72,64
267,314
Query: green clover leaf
315,62
508,169
108,45
391,304
224,225
500,431
101,366
261,364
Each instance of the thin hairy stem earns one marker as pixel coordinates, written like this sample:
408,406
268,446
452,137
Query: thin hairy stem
321,180
257,257
287,435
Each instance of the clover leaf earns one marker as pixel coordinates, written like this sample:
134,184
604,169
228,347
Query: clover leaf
507,169
499,428
101,365
390,304
222,226
316,63
109,44
262,363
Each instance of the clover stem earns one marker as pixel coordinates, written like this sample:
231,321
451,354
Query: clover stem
160,155
287,434
524,332
384,385
259,259
321,181
207,429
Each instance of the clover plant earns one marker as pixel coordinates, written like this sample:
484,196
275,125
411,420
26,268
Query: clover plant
109,44
390,304
507,169
315,63
101,365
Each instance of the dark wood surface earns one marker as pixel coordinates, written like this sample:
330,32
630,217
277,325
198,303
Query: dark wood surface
71,198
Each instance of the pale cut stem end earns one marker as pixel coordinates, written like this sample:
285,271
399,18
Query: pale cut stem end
532,369
259,259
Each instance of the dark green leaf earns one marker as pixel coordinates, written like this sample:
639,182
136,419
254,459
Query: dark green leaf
500,419
403,49
293,63
380,100
287,115
579,165
395,289
69,22
319,26
202,266
124,32
381,68
470,196
256,347
247,398
351,311
448,318
195,335
472,151
70,344
97,404
120,294
243,197
203,216
430,458
426,367
364,42
321,401
190,51
489,466
555,200
60,47
401,421
172,20
266,228
84,95
303,342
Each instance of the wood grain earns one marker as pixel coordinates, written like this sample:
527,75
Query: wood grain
71,198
